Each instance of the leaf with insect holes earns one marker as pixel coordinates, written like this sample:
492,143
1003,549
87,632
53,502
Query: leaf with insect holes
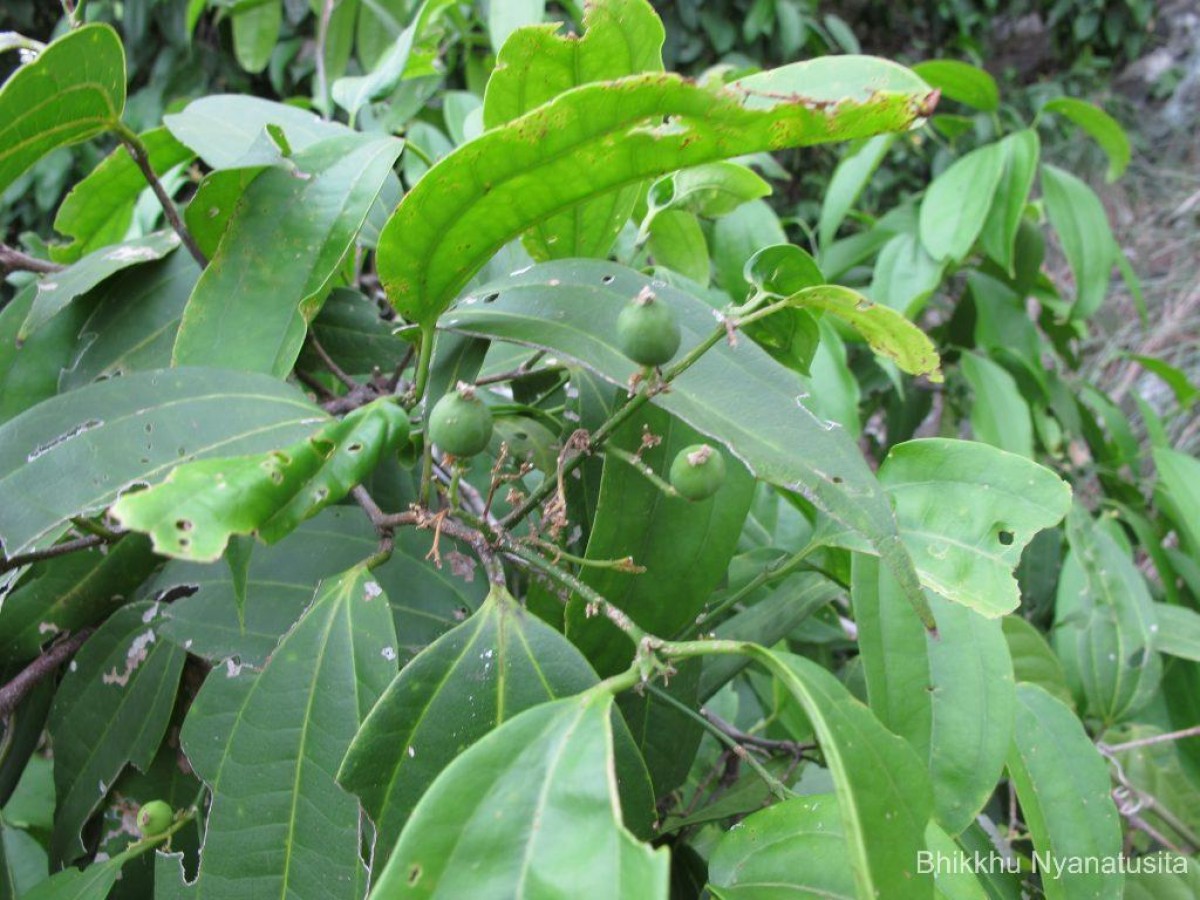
601,137
194,512
73,90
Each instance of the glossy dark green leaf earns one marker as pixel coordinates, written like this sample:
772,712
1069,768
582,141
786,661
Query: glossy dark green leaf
99,209
75,453
111,709
29,372
66,594
956,205
620,37
55,291
962,82
192,514
1079,218
792,849
684,546
612,132
529,810
498,663
571,309
243,313
73,90
951,697
966,512
1100,126
267,745
1104,621
1063,785
132,321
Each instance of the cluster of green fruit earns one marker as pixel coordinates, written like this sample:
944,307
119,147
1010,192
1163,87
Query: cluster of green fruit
460,423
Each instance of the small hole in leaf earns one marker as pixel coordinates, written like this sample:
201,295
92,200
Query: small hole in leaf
837,479
183,524
521,436
491,298
149,428
277,477
608,279
414,874
356,447
1005,537
184,543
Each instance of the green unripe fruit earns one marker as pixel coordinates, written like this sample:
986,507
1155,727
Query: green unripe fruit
154,818
698,472
460,423
647,331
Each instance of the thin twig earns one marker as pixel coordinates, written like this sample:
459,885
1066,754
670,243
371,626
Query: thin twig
1194,731
135,147
72,546
333,367
13,260
791,748
14,692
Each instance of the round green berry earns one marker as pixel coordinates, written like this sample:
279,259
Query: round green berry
698,472
460,423
647,331
154,818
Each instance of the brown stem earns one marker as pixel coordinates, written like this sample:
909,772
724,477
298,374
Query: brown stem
791,748
13,260
1194,731
72,546
332,366
14,692
135,147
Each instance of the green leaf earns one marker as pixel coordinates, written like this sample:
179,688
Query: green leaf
956,205
795,848
712,190
999,235
738,396
241,313
111,709
490,668
267,745
847,183
223,129
57,290
905,275
99,209
350,330
677,242
883,794
1102,127
1178,492
73,90
950,883
66,594
750,232
600,137
529,810
1164,876
886,331
201,504
1104,623
951,697
620,37
255,30
1077,214
76,452
966,511
999,414
23,862
132,321
1063,785
684,546
1176,631
506,17
92,883
962,82
1033,661
29,372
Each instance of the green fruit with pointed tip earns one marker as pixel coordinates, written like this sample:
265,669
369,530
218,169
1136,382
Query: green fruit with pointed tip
154,818
647,331
698,472
460,423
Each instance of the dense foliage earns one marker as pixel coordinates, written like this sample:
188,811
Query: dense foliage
441,454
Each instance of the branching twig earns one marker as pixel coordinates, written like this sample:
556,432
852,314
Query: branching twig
14,692
1194,731
135,147
13,260
334,369
71,546
790,748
